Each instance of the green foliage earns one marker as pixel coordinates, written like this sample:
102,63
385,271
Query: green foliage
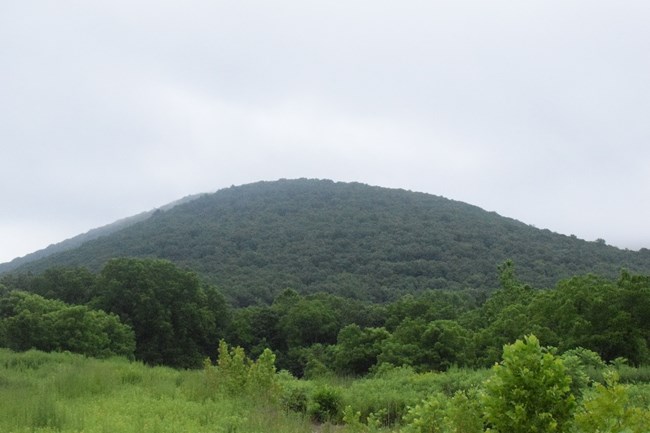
441,414
630,374
427,346
428,416
349,239
67,393
586,357
70,285
294,396
175,319
384,398
261,375
236,374
256,328
577,372
31,321
233,368
352,420
430,305
308,322
357,349
464,414
597,314
608,409
529,391
326,405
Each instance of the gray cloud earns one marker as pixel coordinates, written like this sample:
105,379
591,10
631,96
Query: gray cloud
537,110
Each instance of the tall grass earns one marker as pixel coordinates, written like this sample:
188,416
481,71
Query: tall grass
66,393
69,393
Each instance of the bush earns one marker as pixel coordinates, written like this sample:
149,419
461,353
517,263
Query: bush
428,416
326,405
464,414
31,321
529,391
236,374
294,398
609,409
438,413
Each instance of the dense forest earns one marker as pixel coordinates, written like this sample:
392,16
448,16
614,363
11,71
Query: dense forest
163,315
346,239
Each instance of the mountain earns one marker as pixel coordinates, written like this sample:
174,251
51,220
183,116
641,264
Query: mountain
351,239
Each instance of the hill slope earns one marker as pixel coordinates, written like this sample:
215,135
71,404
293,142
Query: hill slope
79,240
346,238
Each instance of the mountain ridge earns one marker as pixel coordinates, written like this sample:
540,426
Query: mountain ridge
351,239
94,233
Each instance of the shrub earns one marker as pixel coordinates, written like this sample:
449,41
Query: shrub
327,405
294,397
438,413
464,414
609,409
262,379
529,391
236,374
428,416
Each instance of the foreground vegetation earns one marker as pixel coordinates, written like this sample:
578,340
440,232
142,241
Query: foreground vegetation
531,390
60,392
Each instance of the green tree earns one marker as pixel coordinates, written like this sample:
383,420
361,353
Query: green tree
598,314
427,346
529,391
446,343
310,321
31,321
357,349
175,319
255,329
70,285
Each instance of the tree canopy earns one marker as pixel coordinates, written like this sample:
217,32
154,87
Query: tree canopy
29,321
176,320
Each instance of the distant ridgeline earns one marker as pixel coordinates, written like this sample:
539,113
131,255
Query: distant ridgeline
78,240
349,239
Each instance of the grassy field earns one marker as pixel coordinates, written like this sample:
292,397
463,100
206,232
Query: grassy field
63,392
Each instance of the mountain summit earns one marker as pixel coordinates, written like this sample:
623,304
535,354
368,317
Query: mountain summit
351,239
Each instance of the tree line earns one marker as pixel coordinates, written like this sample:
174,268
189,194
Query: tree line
156,312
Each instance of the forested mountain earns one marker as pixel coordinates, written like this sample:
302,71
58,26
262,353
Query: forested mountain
350,239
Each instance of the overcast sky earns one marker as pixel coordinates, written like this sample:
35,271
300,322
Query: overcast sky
536,109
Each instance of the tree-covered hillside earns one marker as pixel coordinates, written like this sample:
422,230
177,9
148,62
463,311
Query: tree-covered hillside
95,233
349,239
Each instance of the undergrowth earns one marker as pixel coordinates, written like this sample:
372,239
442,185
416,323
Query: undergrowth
67,393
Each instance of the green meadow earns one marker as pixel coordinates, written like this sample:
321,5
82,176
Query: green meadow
64,392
